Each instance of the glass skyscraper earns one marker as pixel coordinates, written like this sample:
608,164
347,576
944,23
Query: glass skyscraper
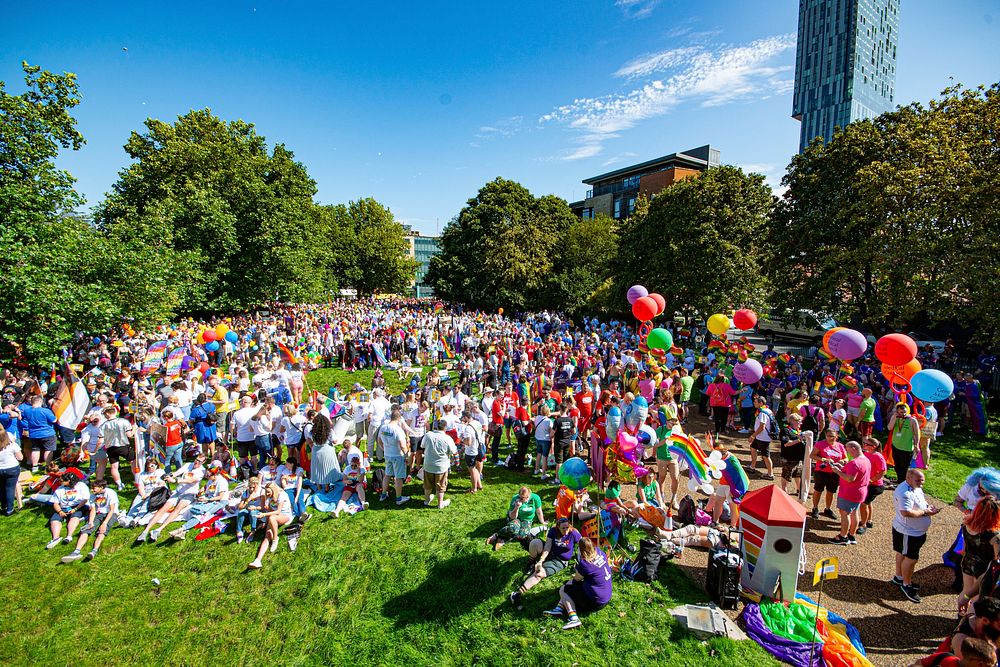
845,63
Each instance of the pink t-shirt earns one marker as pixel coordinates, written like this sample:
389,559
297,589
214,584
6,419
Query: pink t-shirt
646,388
878,466
856,491
835,452
720,395
854,399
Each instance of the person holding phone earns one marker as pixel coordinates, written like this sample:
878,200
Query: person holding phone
909,530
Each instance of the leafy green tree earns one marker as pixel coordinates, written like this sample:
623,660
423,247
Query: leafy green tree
377,254
699,243
893,222
502,248
589,251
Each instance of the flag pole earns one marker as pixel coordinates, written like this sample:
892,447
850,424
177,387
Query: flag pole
812,642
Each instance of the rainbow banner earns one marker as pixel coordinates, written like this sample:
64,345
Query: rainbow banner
174,361
446,349
154,357
687,448
284,353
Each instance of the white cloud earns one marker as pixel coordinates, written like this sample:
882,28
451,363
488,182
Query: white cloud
757,167
637,9
503,128
711,77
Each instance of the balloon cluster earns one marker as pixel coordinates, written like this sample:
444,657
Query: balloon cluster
702,469
907,379
645,305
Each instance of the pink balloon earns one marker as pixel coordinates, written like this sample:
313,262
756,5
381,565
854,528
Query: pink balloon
640,471
749,371
626,442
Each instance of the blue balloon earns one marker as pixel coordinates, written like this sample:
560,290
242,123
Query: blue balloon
574,473
931,385
232,337
213,346
97,341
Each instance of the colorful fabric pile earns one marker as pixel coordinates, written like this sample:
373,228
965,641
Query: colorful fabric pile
786,632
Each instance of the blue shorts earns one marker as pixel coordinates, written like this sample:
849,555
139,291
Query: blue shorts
395,466
846,505
543,447
75,514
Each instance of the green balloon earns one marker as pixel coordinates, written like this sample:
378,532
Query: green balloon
659,339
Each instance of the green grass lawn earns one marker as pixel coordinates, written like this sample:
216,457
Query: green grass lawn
391,585
324,378
957,454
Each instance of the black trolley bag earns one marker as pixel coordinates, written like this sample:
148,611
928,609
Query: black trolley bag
725,564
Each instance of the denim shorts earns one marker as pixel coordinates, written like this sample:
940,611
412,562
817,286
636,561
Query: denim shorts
395,466
76,514
543,447
845,505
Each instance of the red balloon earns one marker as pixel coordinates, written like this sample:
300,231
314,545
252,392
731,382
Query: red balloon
208,335
895,349
661,303
644,309
203,366
745,319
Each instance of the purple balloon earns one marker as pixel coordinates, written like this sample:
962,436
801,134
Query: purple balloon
848,344
749,371
636,292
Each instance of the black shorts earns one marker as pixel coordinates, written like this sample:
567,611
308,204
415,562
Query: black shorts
47,444
243,448
115,454
762,447
907,545
873,493
584,604
826,481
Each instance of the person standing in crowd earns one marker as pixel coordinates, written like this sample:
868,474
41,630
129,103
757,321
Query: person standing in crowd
720,398
563,432
439,450
855,475
760,440
826,453
981,536
10,469
904,434
866,414
394,444
39,424
118,435
909,530
873,452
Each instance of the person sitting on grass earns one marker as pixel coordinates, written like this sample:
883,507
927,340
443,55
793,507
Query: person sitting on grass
145,483
68,504
290,480
648,491
549,557
525,507
103,516
188,478
211,500
277,513
590,588
248,508
354,482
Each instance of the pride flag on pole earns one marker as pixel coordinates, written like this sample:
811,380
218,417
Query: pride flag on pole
72,401
449,353
286,355
174,361
154,356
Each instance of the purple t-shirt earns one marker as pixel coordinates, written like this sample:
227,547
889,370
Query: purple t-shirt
563,545
596,578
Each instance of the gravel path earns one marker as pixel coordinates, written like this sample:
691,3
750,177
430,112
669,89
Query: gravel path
894,630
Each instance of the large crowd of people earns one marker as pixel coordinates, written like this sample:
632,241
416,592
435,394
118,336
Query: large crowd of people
228,431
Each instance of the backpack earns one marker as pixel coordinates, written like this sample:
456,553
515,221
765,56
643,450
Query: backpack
809,422
158,497
686,511
645,566
772,425
378,479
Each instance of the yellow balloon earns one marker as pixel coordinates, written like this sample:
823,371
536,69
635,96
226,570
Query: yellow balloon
718,324
221,330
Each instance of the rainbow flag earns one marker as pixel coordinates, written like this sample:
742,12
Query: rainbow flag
72,401
154,356
438,307
284,353
829,382
846,368
174,361
784,358
826,356
717,345
687,448
848,382
446,348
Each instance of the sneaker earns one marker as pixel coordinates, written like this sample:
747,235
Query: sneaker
444,503
911,593
140,538
743,431
75,555
769,478
54,543
154,535
67,539
869,525
402,500
255,565
178,534
814,513
383,497
239,538
515,599
851,539
556,611
274,545
293,543
828,513
839,539
305,516
121,487
427,503
91,555
365,504
572,623
862,530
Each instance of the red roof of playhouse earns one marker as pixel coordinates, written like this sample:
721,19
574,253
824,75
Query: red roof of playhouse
773,507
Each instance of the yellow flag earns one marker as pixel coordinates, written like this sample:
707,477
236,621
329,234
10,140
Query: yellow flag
826,568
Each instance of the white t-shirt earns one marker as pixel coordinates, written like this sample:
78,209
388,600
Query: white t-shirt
261,425
392,439
543,428
89,438
268,475
243,424
189,487
837,420
471,436
287,479
764,418
70,498
105,501
217,486
906,497
377,410
152,480
294,428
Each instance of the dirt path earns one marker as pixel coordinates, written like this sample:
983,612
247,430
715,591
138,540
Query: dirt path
894,630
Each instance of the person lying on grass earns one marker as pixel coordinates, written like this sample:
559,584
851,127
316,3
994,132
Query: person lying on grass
694,536
68,505
525,507
277,513
548,557
354,482
188,478
590,588
102,518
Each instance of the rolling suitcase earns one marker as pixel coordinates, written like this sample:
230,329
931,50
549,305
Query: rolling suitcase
724,568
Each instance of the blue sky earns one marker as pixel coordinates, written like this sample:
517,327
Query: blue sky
420,104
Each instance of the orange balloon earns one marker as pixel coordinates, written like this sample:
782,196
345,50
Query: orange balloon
905,371
826,337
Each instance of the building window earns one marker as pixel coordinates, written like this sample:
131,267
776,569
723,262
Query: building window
630,182
588,213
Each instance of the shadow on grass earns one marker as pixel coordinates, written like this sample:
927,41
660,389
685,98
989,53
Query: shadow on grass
453,587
